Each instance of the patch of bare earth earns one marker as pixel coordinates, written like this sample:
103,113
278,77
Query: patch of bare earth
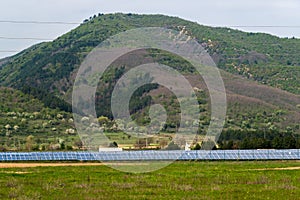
27,165
276,169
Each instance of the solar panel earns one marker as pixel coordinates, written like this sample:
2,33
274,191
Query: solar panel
289,154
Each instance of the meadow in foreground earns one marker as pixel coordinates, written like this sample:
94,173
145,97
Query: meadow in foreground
181,180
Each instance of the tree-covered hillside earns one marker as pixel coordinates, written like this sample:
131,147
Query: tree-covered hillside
261,74
261,57
26,124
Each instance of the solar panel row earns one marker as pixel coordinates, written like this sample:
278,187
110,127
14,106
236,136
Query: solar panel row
290,154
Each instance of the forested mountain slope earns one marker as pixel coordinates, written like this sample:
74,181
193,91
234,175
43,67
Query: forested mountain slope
261,72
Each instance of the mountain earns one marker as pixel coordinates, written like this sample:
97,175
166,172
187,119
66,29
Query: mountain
267,59
261,72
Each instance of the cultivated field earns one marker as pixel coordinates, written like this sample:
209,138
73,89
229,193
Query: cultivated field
181,180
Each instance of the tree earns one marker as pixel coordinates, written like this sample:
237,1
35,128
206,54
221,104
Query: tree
227,145
289,142
208,145
3,149
173,146
113,144
197,147
8,129
62,146
298,144
163,143
103,120
78,144
29,143
277,143
140,143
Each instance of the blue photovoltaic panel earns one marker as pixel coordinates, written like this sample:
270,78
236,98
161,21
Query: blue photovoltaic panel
289,154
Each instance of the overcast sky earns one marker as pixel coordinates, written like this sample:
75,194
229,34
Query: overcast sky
210,12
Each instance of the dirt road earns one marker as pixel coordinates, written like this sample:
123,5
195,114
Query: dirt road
26,165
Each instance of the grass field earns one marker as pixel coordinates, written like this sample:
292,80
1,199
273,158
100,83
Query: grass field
181,180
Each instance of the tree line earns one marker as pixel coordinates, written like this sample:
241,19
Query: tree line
243,139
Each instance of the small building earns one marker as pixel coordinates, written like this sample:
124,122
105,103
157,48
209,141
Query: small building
110,149
187,147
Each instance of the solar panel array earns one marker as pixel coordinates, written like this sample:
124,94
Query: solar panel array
290,154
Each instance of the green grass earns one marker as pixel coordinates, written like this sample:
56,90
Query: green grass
181,180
